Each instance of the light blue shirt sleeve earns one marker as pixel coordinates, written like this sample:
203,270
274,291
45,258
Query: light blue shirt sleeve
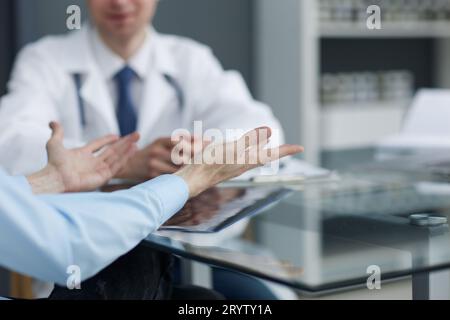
42,236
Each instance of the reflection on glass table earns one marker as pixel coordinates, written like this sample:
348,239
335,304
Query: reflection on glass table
324,237
218,208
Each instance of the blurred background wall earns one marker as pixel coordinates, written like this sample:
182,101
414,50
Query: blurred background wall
7,41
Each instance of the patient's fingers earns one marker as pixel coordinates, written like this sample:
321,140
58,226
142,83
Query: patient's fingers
122,145
160,166
56,138
122,160
133,137
100,143
107,154
254,138
283,151
119,147
259,157
117,153
57,131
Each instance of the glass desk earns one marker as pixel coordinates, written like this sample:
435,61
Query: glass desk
330,236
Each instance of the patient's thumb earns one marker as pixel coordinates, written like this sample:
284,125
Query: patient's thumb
57,132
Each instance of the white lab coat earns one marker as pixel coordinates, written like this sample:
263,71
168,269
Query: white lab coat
42,89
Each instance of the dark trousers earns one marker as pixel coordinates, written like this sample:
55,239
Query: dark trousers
141,274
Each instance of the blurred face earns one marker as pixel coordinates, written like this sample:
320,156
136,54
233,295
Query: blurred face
121,18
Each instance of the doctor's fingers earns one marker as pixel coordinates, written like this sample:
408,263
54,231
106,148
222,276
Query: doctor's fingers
191,148
160,152
183,152
98,144
165,142
158,166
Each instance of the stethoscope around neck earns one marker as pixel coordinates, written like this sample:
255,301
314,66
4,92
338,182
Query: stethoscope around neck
77,78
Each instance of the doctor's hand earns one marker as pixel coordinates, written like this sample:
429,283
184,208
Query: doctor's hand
221,162
81,169
154,160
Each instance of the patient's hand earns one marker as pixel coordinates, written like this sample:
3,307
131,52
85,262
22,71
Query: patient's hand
81,169
221,162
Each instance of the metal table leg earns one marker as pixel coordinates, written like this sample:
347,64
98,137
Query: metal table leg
433,285
196,273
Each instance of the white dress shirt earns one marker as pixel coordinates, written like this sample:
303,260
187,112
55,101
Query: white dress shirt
110,64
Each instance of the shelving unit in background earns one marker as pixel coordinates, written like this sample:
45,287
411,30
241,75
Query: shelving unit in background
390,30
294,47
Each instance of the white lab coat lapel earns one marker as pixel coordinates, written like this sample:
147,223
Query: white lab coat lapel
156,96
94,91
158,93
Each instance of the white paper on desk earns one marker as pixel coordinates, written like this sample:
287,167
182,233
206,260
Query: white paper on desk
433,188
289,167
427,124
416,142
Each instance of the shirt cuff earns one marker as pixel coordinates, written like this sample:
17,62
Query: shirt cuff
172,191
23,182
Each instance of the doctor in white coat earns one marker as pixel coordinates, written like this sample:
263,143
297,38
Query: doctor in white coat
118,75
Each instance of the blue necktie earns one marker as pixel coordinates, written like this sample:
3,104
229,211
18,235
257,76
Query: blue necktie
126,111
